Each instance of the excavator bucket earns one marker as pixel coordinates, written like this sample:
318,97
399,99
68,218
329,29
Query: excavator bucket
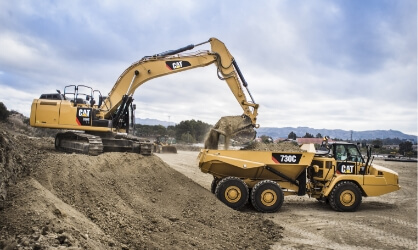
164,149
238,128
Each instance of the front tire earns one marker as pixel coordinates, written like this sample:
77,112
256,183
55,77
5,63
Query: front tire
267,196
233,192
345,197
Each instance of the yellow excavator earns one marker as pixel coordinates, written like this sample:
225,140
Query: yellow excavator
92,128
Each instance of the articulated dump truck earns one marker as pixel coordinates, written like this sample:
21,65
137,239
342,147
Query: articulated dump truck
337,174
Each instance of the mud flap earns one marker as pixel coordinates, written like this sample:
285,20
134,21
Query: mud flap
302,183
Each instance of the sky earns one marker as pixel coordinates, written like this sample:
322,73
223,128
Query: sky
324,64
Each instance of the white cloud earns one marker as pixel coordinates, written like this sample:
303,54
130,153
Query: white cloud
16,99
323,64
17,53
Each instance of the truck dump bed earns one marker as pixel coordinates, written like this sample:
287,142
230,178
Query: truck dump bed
254,164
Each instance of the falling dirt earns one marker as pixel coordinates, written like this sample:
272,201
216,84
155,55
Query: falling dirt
238,128
112,201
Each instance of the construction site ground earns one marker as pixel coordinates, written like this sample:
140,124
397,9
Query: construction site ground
50,199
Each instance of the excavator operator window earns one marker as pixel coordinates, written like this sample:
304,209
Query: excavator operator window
79,94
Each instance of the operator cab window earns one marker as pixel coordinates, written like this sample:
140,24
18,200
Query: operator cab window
353,153
341,153
347,152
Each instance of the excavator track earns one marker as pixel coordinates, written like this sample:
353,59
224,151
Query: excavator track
93,144
137,144
81,143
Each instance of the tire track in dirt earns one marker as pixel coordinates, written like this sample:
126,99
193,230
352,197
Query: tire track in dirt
398,221
315,231
388,240
355,230
309,240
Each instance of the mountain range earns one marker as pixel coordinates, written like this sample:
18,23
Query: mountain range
335,133
152,122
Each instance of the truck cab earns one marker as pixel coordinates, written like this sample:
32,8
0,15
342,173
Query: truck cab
348,157
340,175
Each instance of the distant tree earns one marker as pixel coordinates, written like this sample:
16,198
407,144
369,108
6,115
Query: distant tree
386,141
292,136
318,135
405,147
377,142
4,113
150,130
197,129
307,135
171,131
188,138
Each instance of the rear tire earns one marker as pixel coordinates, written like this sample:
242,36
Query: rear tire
345,197
233,192
267,196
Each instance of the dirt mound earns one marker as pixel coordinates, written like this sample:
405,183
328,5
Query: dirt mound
18,155
276,147
115,200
